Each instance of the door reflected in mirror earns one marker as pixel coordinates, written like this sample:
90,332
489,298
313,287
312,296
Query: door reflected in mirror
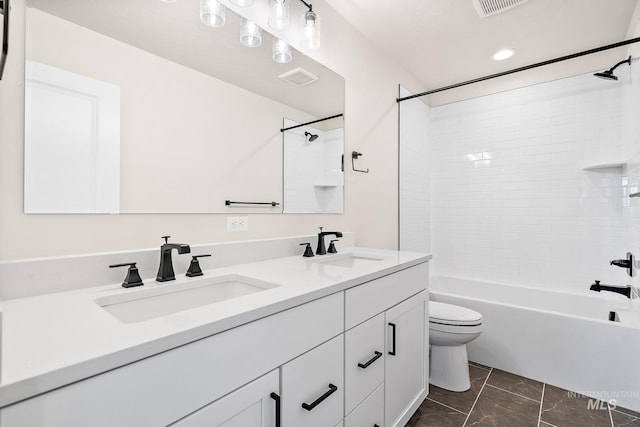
200,114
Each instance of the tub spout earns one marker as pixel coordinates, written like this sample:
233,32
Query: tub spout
624,290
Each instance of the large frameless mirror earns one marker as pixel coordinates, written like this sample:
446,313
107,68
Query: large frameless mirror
139,107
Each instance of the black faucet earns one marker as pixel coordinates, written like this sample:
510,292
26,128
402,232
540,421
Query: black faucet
624,290
165,271
321,250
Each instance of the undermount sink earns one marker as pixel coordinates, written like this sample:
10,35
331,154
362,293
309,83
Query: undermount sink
170,298
347,260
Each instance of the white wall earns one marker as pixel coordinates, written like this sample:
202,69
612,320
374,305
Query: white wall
511,201
370,128
415,175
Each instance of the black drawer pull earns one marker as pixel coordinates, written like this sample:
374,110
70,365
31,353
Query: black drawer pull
373,359
393,339
275,397
332,389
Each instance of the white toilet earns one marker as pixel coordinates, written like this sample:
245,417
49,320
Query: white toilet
451,327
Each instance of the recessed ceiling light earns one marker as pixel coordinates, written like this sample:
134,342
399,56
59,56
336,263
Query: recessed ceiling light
168,1
503,54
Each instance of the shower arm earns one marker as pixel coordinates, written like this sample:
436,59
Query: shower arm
626,61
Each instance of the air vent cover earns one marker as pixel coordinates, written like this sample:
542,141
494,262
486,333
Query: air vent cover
299,77
491,7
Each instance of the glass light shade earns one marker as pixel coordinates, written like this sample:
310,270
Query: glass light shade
282,52
242,3
311,31
250,33
212,13
279,14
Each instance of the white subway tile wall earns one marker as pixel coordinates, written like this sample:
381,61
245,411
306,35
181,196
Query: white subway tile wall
511,200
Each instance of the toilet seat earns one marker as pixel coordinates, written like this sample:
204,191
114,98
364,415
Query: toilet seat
442,314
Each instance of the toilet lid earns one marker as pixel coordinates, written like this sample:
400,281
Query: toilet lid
449,314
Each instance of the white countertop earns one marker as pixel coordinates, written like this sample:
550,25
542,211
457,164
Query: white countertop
53,340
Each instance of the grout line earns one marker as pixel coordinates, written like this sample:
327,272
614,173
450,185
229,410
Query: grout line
541,400
548,424
510,392
485,368
477,397
447,406
610,416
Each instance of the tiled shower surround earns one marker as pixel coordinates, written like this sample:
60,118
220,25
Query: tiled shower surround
512,201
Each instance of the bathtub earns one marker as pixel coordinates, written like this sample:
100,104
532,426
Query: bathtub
563,339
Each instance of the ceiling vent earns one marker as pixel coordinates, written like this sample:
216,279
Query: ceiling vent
491,7
299,77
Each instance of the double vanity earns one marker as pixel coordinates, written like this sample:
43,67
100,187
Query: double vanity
333,340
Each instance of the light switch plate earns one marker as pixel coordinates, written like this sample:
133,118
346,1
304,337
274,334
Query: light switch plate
237,223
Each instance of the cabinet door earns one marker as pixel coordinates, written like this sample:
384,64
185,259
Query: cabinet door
406,363
254,405
312,387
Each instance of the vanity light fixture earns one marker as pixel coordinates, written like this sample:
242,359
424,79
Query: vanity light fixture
279,14
250,33
212,13
242,3
503,54
282,52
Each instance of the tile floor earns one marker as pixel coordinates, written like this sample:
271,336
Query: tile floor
498,398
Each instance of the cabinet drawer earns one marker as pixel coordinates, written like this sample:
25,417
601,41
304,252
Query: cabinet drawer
365,301
370,412
315,381
164,388
364,361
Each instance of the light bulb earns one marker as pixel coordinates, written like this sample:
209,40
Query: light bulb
282,52
311,31
212,13
279,14
250,33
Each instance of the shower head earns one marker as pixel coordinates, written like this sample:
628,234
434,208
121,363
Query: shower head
311,136
608,74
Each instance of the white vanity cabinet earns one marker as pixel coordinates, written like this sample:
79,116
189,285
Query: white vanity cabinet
355,358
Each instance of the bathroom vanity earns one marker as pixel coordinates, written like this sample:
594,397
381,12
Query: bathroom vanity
334,340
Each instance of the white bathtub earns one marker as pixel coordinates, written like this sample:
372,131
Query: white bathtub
560,338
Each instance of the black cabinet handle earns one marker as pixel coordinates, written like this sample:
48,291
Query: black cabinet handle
369,362
376,425
393,339
275,397
309,407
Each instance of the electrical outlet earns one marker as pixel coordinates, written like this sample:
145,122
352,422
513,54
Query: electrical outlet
237,223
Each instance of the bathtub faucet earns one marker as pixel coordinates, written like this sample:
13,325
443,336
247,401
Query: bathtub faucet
624,290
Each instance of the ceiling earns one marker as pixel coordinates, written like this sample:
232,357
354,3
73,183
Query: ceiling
442,42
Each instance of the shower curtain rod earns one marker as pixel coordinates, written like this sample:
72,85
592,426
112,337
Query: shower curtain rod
310,123
526,67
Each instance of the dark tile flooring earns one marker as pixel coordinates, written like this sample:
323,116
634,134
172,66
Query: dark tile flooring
500,399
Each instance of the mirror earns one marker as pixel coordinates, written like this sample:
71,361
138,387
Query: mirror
4,33
199,114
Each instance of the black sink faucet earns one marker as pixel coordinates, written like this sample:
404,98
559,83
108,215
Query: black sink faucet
165,271
624,290
321,249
